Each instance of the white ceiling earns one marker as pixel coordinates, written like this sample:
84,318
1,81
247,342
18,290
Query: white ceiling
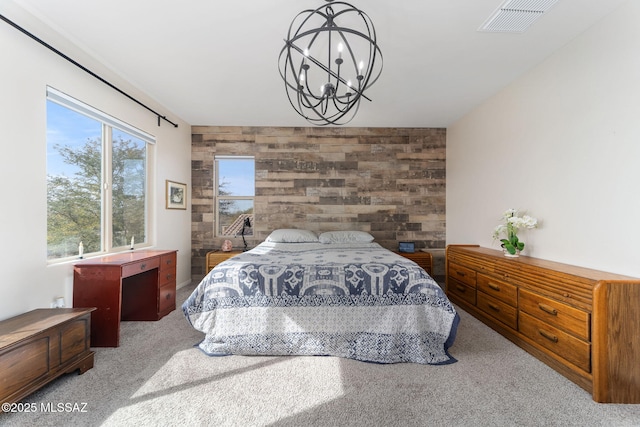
216,63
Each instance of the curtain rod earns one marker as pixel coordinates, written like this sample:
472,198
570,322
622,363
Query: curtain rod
53,49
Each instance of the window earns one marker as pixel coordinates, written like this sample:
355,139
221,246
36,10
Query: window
97,180
234,194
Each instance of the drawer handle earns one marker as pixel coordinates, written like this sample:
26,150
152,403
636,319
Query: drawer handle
548,309
494,287
461,288
143,266
169,262
460,273
493,307
168,276
548,336
168,296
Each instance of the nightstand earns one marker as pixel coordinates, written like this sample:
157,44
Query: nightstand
423,259
216,257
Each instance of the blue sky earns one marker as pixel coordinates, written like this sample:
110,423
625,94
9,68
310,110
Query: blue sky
240,176
66,127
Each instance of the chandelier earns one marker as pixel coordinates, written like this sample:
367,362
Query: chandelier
329,59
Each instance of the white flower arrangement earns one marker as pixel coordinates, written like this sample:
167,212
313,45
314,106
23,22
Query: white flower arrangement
513,223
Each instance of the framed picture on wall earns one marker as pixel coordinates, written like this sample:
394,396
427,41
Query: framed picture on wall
176,195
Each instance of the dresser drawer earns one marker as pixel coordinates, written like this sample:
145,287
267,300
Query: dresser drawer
462,291
500,290
564,345
503,312
140,266
167,298
462,274
559,315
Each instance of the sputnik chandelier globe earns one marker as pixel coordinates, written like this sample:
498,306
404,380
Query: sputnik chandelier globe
330,58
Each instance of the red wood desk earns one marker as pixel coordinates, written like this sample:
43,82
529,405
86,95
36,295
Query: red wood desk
137,285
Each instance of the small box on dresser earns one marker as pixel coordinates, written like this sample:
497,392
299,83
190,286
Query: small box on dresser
583,323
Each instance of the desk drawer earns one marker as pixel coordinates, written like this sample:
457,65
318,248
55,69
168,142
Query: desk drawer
168,262
167,298
167,276
140,266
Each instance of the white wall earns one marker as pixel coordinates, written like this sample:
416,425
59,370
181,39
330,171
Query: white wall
563,143
26,69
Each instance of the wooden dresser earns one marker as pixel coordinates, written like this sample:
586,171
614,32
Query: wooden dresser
38,346
137,285
583,323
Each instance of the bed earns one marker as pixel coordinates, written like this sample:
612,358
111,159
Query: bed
336,294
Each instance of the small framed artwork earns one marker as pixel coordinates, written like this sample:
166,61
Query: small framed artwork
408,247
176,195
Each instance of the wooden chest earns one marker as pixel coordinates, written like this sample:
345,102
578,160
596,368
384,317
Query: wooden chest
39,346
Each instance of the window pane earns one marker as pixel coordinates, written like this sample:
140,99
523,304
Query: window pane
232,216
74,177
236,177
128,189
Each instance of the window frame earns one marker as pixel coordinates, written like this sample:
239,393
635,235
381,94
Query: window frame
217,197
108,123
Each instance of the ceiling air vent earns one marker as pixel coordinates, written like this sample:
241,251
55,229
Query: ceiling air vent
515,16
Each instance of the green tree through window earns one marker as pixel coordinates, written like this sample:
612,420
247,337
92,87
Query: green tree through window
96,185
74,203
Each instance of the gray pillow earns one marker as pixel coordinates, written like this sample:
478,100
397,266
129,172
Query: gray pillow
292,235
345,237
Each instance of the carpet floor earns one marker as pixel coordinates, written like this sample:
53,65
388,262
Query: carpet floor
157,377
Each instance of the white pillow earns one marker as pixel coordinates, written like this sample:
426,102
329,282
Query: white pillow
292,235
345,237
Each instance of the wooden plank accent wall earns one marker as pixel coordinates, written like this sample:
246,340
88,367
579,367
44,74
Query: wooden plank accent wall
389,182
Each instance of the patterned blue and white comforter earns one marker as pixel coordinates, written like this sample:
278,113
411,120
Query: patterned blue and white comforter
357,301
